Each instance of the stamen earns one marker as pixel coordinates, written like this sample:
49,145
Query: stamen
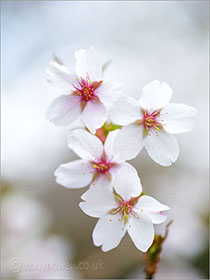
151,121
124,208
102,167
85,88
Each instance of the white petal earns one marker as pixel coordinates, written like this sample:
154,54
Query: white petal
61,77
109,146
98,201
155,95
85,145
157,218
114,169
64,110
106,181
108,232
148,203
125,111
75,174
102,181
141,231
88,62
94,115
162,148
178,118
129,141
109,92
127,182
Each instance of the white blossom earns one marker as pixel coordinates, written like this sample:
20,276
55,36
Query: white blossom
83,92
150,123
122,209
98,164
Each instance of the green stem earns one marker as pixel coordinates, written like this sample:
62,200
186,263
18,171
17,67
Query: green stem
152,256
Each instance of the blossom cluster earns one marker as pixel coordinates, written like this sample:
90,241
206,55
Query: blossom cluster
115,194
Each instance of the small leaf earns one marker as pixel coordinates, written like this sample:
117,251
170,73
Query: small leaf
105,65
56,59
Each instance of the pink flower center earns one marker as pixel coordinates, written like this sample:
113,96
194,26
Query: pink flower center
86,89
125,208
151,121
102,167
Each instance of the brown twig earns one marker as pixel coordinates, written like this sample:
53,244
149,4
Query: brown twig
152,256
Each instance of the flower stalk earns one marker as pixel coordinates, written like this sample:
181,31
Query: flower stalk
103,132
152,256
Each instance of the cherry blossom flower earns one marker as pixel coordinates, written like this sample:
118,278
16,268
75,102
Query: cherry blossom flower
150,123
98,164
123,209
84,93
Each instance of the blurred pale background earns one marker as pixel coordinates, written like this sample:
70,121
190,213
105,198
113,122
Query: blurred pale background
145,41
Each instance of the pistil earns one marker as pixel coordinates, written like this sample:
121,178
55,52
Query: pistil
151,122
86,89
102,167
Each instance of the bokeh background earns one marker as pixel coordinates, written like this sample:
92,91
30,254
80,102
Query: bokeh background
45,235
